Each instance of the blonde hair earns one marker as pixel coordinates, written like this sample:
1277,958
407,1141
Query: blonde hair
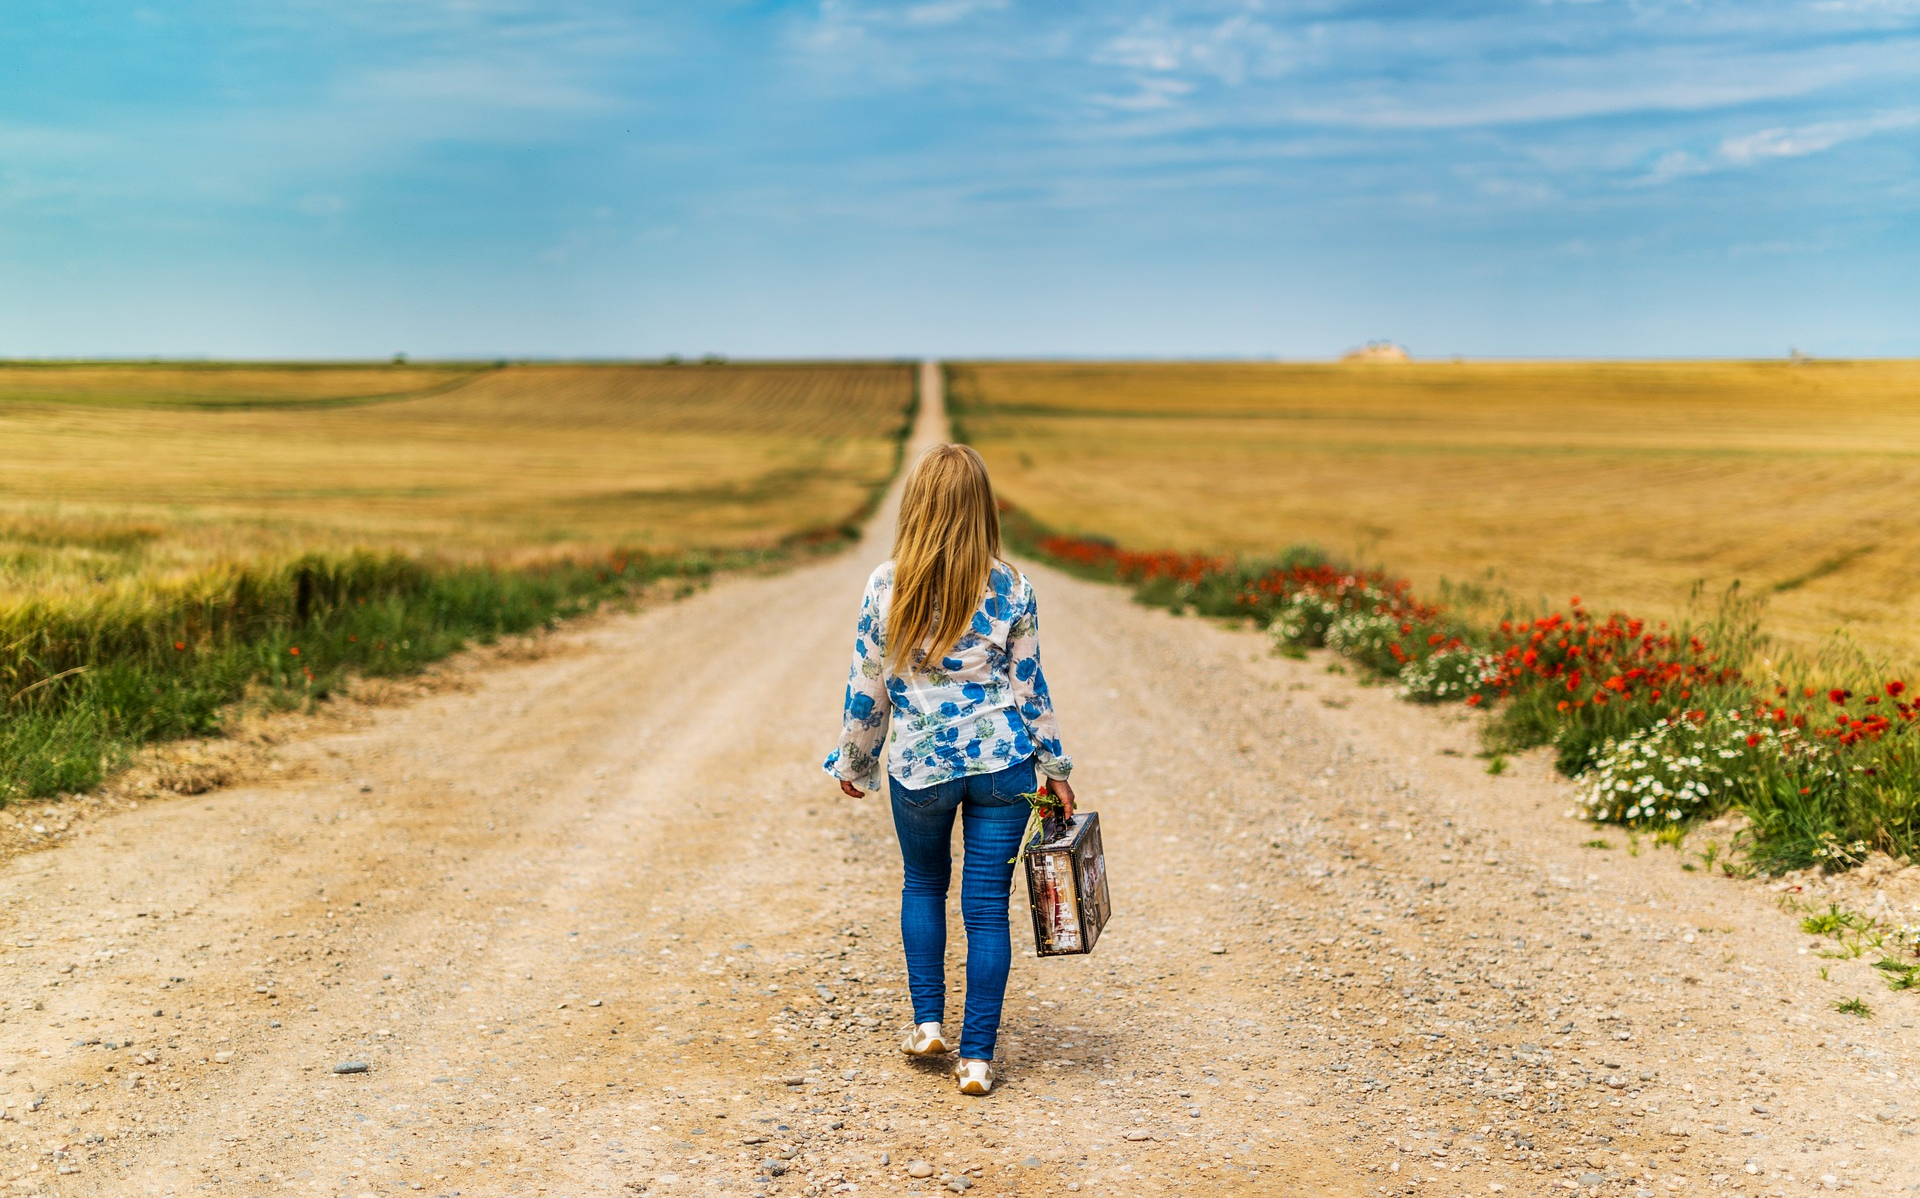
945,544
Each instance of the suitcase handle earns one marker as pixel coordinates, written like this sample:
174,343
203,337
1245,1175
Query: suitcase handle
1046,822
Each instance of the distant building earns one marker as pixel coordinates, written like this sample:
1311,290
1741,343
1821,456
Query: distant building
1378,351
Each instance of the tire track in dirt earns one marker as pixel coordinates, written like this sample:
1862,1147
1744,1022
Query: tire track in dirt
600,926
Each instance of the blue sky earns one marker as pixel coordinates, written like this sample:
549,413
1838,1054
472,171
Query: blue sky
1001,177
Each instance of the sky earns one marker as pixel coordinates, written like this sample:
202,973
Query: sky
1213,178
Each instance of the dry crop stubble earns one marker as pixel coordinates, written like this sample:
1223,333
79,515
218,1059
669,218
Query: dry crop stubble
512,464
163,551
224,384
1625,483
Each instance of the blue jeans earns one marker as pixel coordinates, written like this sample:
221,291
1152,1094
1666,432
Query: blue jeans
992,816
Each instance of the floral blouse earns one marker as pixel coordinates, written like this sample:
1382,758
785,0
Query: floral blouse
983,708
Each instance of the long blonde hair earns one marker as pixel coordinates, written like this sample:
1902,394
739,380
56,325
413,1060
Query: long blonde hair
945,543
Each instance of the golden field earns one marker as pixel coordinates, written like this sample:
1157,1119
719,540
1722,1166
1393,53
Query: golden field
134,472
176,538
1625,483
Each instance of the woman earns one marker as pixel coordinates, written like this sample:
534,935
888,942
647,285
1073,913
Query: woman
946,655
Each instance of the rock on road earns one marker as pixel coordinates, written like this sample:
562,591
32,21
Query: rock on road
598,925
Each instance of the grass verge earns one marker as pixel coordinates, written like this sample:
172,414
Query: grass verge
87,684
1660,724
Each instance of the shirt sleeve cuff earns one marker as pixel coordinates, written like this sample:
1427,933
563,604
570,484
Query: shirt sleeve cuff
837,770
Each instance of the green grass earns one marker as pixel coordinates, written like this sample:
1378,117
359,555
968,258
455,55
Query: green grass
112,677
1832,922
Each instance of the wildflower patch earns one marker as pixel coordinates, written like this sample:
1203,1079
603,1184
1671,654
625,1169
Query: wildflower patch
1660,725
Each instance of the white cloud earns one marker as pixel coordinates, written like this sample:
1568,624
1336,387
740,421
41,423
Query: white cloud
840,21
1811,139
948,12
1676,164
1898,8
320,204
1149,94
1751,149
1229,50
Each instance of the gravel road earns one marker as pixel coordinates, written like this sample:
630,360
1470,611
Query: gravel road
593,923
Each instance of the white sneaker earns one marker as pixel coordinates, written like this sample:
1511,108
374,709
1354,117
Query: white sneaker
924,1041
976,1077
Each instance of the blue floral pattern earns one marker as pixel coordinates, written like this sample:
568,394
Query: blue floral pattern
982,708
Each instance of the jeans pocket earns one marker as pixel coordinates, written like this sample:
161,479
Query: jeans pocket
1013,784
920,800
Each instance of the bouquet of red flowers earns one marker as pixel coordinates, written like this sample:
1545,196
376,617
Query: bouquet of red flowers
1046,822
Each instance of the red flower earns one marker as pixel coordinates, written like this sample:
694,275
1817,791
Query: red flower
1896,688
295,650
180,645
1753,740
1473,700
1839,696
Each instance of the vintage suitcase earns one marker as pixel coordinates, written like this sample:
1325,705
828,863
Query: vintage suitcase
1067,886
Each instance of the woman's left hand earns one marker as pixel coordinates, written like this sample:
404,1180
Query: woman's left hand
850,790
1063,791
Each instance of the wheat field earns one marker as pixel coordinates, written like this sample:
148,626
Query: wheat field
1625,483
123,473
224,384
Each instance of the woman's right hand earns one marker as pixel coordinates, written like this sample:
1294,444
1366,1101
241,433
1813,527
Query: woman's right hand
850,790
1064,792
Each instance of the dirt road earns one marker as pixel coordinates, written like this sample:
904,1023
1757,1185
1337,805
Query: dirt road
595,924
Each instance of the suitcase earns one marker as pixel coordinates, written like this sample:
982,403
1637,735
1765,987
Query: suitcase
1067,886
